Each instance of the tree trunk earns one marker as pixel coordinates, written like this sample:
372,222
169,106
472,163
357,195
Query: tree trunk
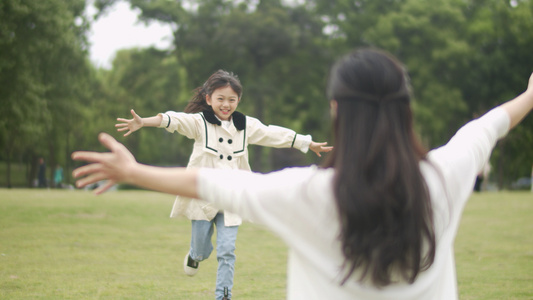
34,164
500,164
8,169
52,162
66,170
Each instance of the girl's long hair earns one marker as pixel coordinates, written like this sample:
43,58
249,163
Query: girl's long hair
217,80
386,217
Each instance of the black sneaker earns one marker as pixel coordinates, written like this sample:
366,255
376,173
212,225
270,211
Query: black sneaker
226,294
190,266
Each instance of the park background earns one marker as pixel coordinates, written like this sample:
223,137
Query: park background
463,57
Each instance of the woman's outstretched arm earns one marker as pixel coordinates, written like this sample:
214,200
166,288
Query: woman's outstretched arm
119,165
520,106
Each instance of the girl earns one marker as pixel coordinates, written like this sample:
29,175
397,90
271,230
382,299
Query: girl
379,221
222,136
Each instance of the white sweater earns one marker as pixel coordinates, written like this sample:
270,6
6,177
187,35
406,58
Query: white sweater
298,205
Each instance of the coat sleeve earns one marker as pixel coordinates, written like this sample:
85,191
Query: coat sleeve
184,123
275,136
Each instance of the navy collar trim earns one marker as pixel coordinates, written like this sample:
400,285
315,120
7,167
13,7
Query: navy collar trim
239,119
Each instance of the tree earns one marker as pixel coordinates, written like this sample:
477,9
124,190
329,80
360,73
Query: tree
41,56
500,67
149,81
464,57
277,51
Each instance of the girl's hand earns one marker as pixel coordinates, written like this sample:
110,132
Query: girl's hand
131,125
114,166
319,147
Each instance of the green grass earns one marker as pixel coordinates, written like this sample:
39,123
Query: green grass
58,244
494,247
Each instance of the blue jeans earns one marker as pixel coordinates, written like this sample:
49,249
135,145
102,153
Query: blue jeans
201,248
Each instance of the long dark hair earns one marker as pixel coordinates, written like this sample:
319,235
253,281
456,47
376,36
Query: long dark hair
217,80
386,217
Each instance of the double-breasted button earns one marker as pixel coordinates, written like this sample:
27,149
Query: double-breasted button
221,140
229,157
221,156
230,141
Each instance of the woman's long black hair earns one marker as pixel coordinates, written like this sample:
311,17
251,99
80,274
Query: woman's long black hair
386,217
217,80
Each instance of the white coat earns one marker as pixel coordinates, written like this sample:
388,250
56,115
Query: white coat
223,147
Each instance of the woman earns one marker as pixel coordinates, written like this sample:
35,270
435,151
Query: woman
380,219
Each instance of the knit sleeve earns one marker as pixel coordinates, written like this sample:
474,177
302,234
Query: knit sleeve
261,198
464,156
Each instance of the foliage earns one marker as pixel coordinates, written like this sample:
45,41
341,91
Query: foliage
43,74
463,58
149,81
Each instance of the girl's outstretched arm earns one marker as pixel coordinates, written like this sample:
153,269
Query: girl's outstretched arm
320,147
520,106
137,123
119,165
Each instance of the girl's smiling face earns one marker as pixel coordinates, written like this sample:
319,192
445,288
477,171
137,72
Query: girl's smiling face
224,102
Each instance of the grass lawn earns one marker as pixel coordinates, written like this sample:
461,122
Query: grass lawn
58,244
494,247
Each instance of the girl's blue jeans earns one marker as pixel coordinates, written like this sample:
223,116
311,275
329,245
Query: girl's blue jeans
201,248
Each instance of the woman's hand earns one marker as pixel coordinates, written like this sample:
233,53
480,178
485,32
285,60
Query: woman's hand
115,166
320,147
131,125
119,165
520,106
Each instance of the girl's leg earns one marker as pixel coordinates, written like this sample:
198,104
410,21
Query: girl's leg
226,237
201,246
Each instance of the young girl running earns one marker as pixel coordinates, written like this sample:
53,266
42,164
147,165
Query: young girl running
380,219
222,136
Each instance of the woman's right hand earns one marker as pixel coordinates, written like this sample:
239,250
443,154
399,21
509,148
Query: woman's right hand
131,125
115,166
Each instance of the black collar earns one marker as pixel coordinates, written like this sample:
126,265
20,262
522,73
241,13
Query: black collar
239,120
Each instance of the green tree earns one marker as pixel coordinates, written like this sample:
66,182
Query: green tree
464,57
427,37
278,52
500,65
42,57
148,81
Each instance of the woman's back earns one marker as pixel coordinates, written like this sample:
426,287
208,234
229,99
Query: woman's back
299,205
